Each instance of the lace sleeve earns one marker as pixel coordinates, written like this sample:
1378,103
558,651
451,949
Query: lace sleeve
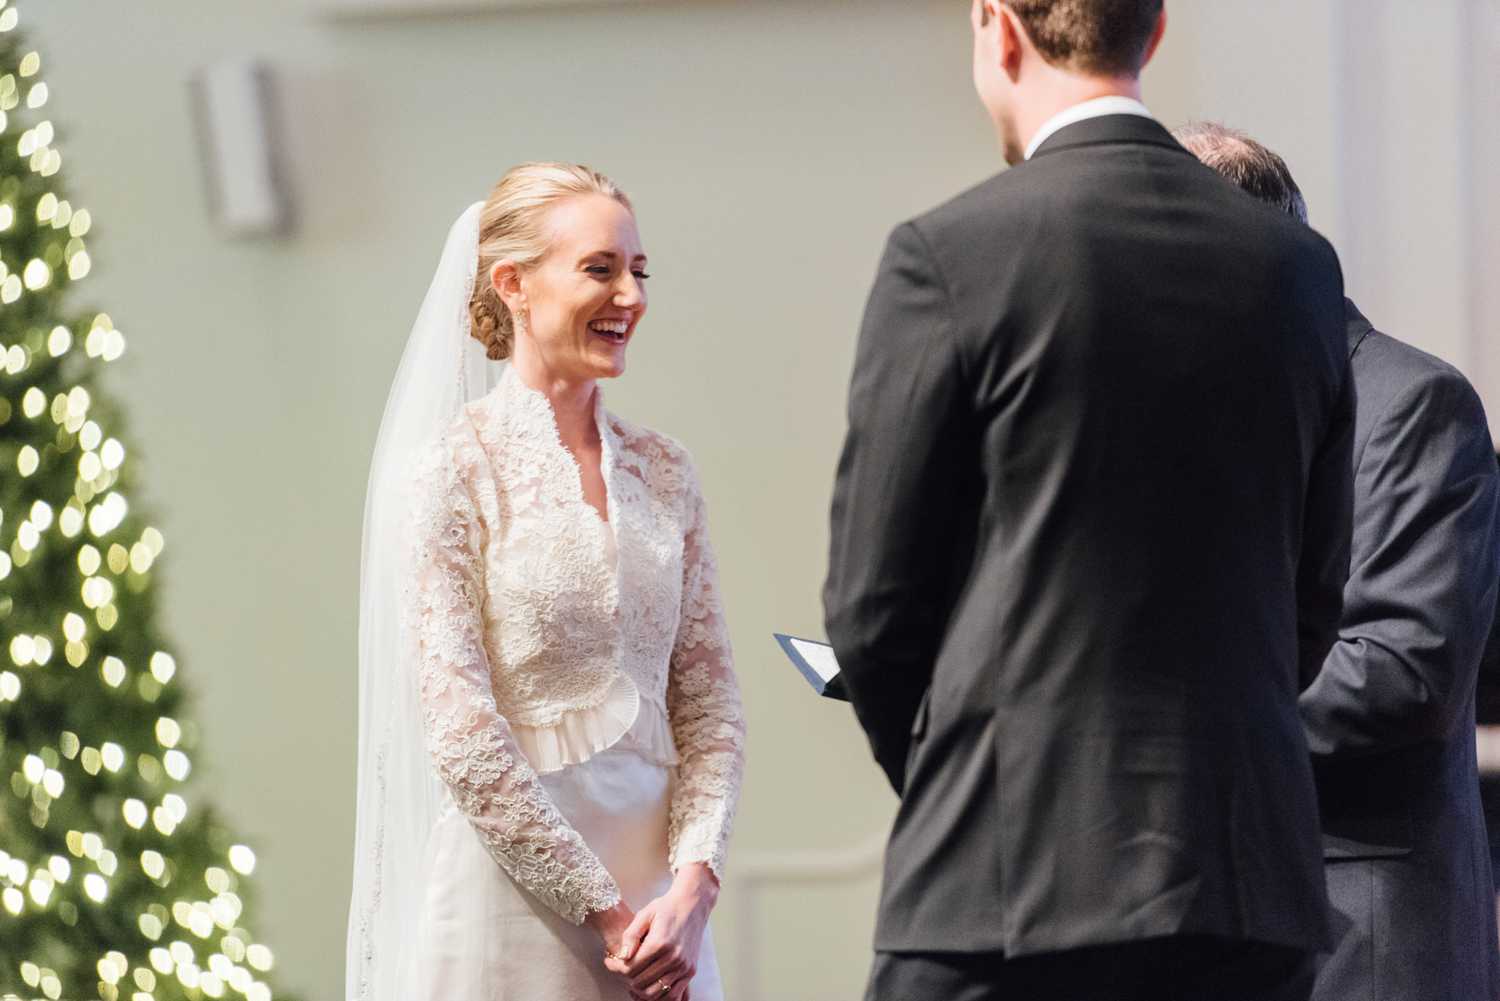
470,742
703,703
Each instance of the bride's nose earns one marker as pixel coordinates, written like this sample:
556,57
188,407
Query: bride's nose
630,292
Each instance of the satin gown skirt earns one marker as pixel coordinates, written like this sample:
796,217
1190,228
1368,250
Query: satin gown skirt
483,938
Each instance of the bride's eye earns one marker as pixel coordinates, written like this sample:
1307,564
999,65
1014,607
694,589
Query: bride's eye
641,275
597,269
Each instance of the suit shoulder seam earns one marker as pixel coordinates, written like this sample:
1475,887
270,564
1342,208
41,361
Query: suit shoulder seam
1424,385
949,305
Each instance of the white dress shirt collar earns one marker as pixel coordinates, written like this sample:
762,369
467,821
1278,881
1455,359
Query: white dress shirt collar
1114,104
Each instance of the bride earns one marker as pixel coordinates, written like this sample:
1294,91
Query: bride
551,739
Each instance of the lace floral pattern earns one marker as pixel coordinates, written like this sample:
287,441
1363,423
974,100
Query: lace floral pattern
703,703
522,616
468,738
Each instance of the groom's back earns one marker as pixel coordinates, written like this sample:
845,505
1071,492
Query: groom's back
1155,360
1155,365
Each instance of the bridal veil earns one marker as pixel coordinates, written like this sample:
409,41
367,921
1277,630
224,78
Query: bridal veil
399,794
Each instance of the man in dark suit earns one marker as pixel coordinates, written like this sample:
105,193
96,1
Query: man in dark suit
1089,533
1487,714
1390,717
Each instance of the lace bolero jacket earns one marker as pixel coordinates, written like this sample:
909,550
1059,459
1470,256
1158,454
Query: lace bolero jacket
546,636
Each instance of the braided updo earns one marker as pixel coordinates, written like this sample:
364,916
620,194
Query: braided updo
512,227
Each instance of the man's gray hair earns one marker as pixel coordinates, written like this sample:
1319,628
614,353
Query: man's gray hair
1248,164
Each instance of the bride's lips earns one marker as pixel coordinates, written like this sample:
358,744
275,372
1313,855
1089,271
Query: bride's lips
616,331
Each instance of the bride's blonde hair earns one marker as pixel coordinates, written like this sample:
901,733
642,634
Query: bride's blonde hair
511,226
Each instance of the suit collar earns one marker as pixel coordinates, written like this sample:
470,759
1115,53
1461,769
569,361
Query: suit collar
1110,129
1355,324
1112,104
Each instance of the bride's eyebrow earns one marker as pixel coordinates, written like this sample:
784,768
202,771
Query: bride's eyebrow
611,256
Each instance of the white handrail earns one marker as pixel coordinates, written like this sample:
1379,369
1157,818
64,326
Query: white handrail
1487,743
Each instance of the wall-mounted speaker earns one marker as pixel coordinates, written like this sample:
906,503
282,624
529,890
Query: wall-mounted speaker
235,111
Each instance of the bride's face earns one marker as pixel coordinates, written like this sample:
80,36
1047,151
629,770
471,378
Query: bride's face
586,295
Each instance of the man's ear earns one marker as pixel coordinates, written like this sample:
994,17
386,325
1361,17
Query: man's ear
1012,39
1156,35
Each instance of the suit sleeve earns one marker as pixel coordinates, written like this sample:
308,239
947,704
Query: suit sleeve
895,517
1422,588
1327,517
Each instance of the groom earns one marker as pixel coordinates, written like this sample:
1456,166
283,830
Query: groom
1089,533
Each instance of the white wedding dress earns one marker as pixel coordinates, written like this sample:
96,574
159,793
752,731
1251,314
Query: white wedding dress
578,695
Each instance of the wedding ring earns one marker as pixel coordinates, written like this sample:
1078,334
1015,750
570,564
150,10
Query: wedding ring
664,986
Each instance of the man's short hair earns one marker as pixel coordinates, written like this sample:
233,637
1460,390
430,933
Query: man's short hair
1102,37
1248,164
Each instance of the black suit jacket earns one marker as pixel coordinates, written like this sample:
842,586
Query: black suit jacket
1390,718
1089,533
1487,713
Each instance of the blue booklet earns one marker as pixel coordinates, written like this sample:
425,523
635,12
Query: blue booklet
817,663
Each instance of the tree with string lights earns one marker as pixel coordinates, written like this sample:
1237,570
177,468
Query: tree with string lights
112,886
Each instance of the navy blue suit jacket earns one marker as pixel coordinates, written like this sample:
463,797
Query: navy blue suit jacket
1390,718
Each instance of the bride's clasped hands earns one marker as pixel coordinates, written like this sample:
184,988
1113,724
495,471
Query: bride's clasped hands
657,952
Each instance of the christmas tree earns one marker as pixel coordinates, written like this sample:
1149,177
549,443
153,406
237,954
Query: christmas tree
115,882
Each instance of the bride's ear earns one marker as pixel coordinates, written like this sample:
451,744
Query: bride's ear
505,278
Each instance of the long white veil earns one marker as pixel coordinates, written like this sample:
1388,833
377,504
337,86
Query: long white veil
399,795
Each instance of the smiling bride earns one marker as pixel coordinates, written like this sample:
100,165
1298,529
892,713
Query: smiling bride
551,738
